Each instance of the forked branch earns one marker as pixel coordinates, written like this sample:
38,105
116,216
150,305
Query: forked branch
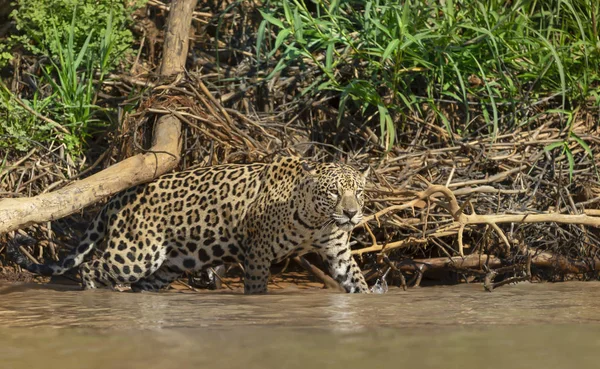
462,220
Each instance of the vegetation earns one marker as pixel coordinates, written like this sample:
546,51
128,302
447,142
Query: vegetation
38,20
71,76
19,128
393,59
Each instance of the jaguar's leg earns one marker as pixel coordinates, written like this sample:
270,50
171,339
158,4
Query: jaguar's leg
95,274
160,279
256,268
343,267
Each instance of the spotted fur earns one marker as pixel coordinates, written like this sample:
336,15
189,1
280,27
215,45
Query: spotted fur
253,214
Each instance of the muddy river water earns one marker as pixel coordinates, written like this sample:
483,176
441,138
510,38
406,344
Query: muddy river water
519,326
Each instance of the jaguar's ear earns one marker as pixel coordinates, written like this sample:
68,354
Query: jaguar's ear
364,173
310,169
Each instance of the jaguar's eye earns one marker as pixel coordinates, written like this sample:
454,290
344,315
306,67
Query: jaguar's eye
359,193
333,194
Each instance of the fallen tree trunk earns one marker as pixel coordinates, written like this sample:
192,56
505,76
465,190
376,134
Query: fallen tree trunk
475,261
160,158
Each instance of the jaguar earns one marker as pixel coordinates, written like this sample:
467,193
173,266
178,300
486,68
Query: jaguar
250,214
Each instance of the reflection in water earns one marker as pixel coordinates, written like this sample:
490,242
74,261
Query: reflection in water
342,315
522,326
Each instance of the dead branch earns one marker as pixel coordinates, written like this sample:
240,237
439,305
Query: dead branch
329,282
480,261
524,270
462,220
473,261
390,246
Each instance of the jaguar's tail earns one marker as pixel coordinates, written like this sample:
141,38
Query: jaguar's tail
72,260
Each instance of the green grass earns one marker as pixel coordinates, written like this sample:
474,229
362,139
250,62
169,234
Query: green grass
36,21
73,74
391,59
18,127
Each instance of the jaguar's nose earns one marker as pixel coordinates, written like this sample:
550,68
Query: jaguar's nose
350,213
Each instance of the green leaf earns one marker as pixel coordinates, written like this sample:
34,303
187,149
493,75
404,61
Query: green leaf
280,65
287,12
260,38
559,65
389,50
83,50
333,7
281,37
583,144
391,131
342,106
324,86
381,27
299,28
553,146
329,58
271,19
311,86
386,125
445,120
571,162
382,124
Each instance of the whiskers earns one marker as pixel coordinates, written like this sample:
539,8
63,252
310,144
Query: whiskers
343,220
327,223
340,219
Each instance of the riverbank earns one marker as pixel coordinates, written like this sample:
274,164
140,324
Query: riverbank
484,158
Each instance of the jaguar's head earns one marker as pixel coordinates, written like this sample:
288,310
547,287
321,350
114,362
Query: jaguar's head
337,194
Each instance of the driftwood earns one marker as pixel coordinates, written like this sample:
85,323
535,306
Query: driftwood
329,282
462,220
160,158
485,262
